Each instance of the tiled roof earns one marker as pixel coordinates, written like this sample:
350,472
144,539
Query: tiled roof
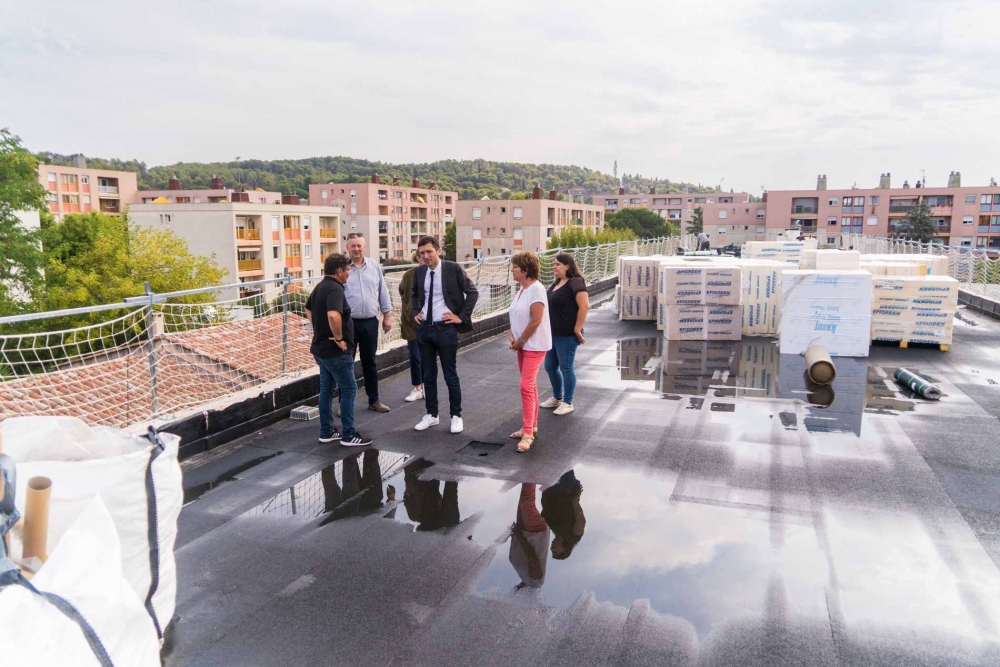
193,368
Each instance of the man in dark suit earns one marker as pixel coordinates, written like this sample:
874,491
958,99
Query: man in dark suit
442,301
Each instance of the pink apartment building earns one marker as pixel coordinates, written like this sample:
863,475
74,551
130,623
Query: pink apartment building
487,227
79,189
217,193
676,207
391,217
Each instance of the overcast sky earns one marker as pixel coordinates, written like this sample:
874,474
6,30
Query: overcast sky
755,92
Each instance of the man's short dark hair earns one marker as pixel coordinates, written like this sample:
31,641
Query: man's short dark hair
424,240
335,262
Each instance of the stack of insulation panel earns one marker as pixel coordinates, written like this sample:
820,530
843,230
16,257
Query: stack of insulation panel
928,265
789,252
914,309
636,291
828,308
699,299
761,296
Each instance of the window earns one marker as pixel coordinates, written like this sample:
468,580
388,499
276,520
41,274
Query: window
676,202
69,179
872,220
307,251
518,234
968,220
503,209
85,180
197,200
354,194
858,221
503,231
548,233
966,242
845,222
323,194
52,197
761,213
488,210
293,251
699,200
309,273
831,222
52,177
833,201
274,224
70,199
635,201
354,208
723,213
276,251
873,201
278,275
477,214
518,213
970,199
489,231
477,234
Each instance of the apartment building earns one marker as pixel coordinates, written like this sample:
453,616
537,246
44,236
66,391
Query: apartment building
391,217
963,216
79,189
487,227
217,193
676,207
252,241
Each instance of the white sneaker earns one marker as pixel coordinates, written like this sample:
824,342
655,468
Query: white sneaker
426,423
414,395
564,409
456,425
552,403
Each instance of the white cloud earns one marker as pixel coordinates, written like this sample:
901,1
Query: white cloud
757,92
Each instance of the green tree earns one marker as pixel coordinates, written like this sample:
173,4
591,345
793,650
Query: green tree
573,237
20,253
917,225
93,258
450,245
697,224
644,223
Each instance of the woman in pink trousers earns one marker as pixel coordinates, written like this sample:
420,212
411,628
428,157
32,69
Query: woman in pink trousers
531,338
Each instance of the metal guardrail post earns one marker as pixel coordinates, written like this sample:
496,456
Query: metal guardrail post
151,333
284,323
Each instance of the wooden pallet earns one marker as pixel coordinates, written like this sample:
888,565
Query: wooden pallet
904,344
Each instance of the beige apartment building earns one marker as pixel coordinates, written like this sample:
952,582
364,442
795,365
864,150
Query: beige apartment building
391,217
252,241
79,189
217,193
487,227
678,208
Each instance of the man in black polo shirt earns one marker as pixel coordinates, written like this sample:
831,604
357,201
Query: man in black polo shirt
333,348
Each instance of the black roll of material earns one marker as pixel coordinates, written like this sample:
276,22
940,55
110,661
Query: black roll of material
917,384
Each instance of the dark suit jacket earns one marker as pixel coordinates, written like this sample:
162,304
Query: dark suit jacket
460,293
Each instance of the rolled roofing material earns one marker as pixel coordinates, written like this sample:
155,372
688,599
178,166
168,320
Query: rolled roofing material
917,384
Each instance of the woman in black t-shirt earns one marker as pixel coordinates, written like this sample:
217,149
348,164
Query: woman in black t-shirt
568,307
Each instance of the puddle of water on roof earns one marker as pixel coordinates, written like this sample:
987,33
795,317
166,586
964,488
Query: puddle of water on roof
195,492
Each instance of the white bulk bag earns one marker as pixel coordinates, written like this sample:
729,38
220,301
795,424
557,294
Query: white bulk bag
139,482
85,571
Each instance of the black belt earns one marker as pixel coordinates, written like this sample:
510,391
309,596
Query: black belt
436,324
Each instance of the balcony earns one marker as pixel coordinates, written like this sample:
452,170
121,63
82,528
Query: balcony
328,232
245,265
108,189
247,234
804,210
292,234
111,206
293,262
383,244
383,228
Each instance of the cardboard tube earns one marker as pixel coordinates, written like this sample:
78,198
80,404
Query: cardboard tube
819,365
36,518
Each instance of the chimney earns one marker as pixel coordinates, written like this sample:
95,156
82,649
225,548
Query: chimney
652,190
884,181
955,179
292,200
553,195
906,185
536,193
621,191
375,179
821,182
434,186
395,180
416,183
174,183
79,161
216,183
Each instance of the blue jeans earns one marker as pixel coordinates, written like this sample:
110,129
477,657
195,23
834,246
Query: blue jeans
416,374
440,341
337,372
559,366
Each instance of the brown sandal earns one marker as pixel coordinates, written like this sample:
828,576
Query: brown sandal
525,443
519,433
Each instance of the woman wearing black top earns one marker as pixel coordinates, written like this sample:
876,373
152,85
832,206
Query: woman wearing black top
568,307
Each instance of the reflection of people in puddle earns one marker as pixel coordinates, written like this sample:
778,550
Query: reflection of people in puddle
563,514
529,539
424,502
360,488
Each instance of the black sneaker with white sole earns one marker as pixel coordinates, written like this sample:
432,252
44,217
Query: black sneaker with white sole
357,440
330,438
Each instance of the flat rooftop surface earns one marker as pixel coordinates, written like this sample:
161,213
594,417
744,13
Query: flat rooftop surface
702,506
